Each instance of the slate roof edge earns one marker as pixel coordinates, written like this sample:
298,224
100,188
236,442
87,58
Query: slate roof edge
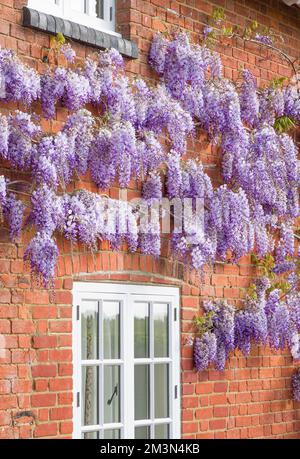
87,35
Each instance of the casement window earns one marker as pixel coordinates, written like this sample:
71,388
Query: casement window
126,358
97,14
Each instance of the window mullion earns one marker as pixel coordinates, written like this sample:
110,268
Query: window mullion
175,366
128,358
101,368
152,390
77,369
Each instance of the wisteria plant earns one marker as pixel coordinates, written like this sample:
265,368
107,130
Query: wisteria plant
134,130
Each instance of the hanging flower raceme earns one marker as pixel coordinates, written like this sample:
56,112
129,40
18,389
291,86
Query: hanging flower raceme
249,101
190,189
271,105
152,188
205,349
223,329
13,211
149,154
69,87
79,129
44,163
42,254
296,385
251,325
89,218
165,115
18,82
291,95
46,210
113,154
230,216
4,134
3,190
279,330
68,52
22,138
266,175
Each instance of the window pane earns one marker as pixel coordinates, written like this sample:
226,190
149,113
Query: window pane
111,393
142,433
111,434
89,330
141,392
91,435
111,329
161,392
141,330
161,322
90,395
99,9
162,431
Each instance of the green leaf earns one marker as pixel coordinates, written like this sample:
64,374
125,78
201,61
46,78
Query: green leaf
218,14
277,82
284,124
60,39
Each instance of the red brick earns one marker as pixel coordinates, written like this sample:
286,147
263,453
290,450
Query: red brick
46,430
40,400
61,384
44,342
61,413
42,371
66,427
8,401
5,418
217,424
22,326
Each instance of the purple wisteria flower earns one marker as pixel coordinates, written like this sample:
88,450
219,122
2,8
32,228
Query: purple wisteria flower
19,82
68,52
42,253
296,385
205,349
13,211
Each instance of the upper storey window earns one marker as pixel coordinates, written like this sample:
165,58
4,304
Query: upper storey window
97,14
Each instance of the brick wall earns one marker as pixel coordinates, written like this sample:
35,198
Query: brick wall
252,398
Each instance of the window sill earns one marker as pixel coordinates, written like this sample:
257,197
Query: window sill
92,37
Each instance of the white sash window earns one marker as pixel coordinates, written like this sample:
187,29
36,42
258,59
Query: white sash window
97,14
126,357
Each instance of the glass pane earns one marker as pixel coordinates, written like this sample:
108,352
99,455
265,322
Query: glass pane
161,392
141,330
111,329
161,322
111,393
111,434
99,9
91,435
90,395
142,433
89,330
141,392
162,431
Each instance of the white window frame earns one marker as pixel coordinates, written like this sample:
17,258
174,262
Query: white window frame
63,9
126,294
